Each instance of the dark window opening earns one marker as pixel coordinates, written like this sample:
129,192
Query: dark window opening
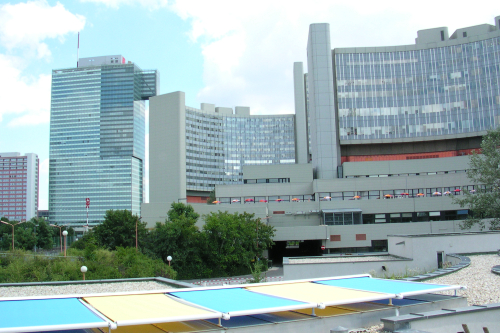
379,245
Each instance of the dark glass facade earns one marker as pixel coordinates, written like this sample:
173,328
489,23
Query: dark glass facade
217,146
97,141
429,92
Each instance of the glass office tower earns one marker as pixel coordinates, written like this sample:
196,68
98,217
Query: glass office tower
218,146
97,138
440,88
451,89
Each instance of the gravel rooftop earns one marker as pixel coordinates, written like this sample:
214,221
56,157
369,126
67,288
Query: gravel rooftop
482,285
70,289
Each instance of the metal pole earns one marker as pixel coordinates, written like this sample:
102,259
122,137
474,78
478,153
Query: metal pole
12,238
136,220
65,237
60,237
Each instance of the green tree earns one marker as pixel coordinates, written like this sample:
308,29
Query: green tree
256,271
178,209
179,238
24,237
44,233
232,241
118,229
211,198
484,172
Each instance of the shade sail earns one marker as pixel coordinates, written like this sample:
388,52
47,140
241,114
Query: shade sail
239,301
147,309
319,293
403,288
47,315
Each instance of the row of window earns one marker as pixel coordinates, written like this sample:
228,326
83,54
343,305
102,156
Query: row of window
352,218
397,194
266,180
358,195
409,174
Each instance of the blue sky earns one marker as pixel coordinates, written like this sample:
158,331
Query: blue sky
224,52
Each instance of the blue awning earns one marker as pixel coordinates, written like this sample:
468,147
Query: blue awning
402,288
239,301
47,315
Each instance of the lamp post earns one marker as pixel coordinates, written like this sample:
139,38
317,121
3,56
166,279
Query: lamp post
12,225
83,269
169,259
65,233
60,233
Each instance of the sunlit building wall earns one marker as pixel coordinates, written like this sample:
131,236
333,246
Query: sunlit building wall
19,179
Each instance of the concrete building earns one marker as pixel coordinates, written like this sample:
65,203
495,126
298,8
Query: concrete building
19,175
382,136
97,133
193,150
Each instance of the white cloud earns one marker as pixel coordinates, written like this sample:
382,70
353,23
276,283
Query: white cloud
26,25
23,29
249,47
26,97
151,4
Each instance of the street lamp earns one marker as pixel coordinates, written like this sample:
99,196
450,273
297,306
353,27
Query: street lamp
65,233
83,269
60,232
169,259
12,225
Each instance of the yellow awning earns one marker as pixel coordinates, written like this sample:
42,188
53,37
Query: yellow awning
144,309
318,293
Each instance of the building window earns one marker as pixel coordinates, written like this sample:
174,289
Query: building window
360,237
334,238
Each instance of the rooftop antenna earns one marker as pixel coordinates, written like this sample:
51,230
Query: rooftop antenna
78,50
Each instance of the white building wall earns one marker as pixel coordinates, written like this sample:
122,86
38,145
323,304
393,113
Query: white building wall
325,144
32,186
418,254
167,146
301,137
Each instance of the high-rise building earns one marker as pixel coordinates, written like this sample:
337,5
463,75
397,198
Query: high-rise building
385,133
97,133
197,149
437,96
19,186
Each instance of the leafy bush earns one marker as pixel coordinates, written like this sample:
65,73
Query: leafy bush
22,266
